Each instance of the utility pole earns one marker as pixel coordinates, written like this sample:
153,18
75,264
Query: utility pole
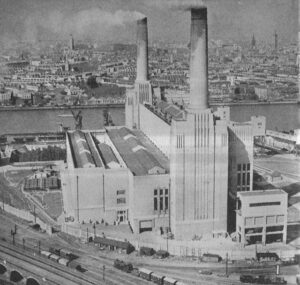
87,235
226,264
94,227
103,272
39,245
34,214
13,235
15,229
23,240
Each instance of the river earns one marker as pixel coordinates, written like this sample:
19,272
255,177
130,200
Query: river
279,117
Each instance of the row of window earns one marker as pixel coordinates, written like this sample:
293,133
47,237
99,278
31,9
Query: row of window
161,200
262,204
243,177
121,196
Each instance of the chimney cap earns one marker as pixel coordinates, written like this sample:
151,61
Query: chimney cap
142,21
199,12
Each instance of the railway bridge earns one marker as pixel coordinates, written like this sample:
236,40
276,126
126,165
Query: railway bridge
13,275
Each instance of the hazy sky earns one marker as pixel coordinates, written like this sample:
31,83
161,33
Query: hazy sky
114,20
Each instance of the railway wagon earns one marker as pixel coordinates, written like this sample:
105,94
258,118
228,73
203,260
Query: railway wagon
54,250
169,281
64,261
157,278
145,273
45,253
208,257
54,257
124,266
65,253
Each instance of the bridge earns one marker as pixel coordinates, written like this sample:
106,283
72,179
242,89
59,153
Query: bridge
13,275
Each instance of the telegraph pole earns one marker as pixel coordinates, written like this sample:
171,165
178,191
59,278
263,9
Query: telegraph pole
226,264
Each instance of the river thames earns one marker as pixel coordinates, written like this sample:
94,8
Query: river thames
278,116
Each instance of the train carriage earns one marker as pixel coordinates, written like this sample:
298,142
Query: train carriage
45,253
145,273
64,261
157,278
169,281
54,257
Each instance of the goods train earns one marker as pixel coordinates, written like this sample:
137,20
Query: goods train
62,256
146,274
262,279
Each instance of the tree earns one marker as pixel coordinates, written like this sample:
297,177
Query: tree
91,82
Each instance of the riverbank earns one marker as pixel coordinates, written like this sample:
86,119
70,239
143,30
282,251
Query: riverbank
99,106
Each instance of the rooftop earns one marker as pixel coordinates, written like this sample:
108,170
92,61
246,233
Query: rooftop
254,193
141,156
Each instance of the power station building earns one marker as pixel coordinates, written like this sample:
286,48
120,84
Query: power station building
170,167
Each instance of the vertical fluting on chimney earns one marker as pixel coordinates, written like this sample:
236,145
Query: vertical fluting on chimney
142,50
199,60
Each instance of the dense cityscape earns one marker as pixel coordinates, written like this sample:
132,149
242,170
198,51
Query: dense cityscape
146,161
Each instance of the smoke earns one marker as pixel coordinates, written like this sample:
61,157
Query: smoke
178,4
83,23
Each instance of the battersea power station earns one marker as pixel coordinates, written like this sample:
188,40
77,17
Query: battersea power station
174,168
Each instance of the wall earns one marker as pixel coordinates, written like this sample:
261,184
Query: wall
157,130
198,165
142,204
96,191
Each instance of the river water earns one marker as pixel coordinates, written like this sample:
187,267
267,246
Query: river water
279,117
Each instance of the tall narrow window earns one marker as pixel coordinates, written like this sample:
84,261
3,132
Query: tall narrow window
155,203
161,203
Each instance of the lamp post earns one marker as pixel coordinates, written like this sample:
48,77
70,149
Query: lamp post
94,227
103,272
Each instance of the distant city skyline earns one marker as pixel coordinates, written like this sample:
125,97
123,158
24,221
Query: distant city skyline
114,21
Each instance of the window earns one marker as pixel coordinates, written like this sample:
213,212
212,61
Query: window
248,178
161,203
239,179
120,192
262,204
121,200
244,167
248,166
244,178
239,167
161,199
155,203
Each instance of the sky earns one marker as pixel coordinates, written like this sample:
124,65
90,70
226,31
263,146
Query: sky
168,20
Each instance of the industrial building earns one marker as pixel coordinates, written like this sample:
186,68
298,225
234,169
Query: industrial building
116,175
169,167
262,216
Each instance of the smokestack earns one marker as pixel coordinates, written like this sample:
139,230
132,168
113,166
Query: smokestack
199,60
142,50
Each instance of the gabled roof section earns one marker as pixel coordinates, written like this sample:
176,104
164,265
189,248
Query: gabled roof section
140,158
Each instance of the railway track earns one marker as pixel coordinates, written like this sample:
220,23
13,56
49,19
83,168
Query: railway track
29,272
64,272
